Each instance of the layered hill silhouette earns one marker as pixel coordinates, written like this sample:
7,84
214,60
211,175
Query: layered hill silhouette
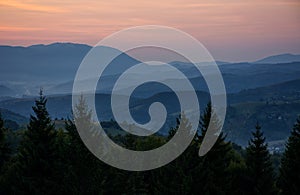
25,70
266,90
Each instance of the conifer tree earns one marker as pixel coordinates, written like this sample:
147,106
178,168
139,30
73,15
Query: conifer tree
289,180
85,171
211,176
35,167
181,170
260,172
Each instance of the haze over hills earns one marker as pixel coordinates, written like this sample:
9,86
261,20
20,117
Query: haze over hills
278,59
236,77
266,90
25,70
275,107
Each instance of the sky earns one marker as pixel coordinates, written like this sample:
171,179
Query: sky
232,30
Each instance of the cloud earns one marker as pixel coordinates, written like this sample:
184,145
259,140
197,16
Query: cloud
17,29
29,6
205,5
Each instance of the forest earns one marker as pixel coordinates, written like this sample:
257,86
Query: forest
45,159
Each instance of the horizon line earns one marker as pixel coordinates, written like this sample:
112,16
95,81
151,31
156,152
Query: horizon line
86,44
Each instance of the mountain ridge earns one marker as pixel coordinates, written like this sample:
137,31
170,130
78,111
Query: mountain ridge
280,58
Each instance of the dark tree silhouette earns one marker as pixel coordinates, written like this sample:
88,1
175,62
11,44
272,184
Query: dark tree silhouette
260,172
289,179
35,166
212,175
85,173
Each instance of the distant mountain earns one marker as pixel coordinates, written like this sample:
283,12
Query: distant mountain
26,69
267,90
47,63
178,63
282,58
237,77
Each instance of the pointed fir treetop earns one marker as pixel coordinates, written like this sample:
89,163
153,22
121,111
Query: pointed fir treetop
289,179
82,111
40,107
294,138
259,165
258,139
182,121
210,120
257,153
40,124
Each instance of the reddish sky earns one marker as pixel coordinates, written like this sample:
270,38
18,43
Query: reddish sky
232,30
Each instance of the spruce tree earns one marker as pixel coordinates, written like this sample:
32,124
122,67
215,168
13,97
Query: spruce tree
211,176
289,180
260,172
36,159
176,177
85,174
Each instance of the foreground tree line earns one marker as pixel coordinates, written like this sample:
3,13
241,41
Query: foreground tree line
55,161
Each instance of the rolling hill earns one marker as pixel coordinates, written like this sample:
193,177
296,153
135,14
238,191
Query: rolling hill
282,58
275,107
267,90
25,70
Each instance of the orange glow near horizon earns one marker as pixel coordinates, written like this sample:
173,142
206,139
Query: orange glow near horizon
231,29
